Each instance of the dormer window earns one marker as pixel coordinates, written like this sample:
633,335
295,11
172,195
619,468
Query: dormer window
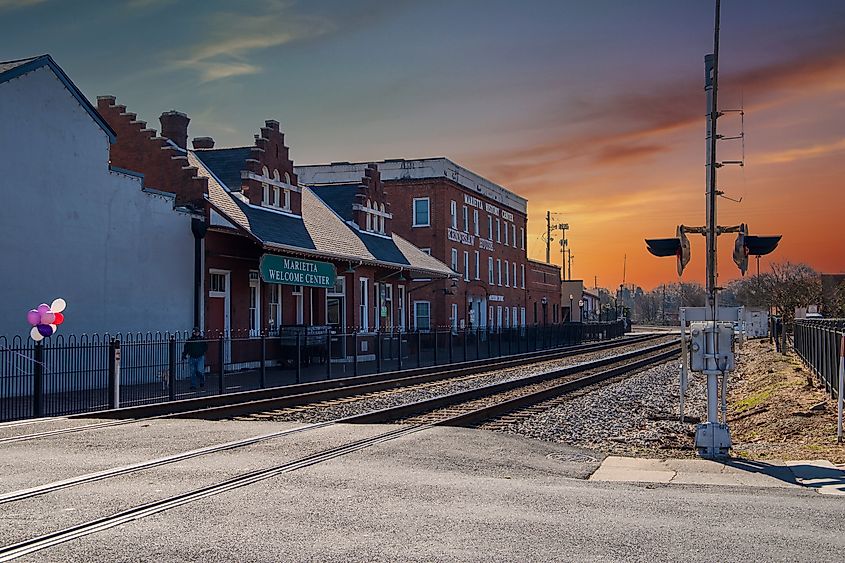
381,220
272,194
369,217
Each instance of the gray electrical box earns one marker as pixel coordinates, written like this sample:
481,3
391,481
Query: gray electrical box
724,345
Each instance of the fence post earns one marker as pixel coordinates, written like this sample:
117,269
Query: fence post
478,343
171,367
451,339
38,381
328,354
465,345
499,350
298,357
435,346
840,389
378,351
263,361
221,358
355,345
114,374
399,339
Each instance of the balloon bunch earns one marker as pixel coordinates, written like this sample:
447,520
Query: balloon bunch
45,319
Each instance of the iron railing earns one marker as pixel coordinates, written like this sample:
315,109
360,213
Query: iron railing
817,342
66,375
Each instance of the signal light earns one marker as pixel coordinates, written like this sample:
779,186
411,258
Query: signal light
740,254
677,246
760,246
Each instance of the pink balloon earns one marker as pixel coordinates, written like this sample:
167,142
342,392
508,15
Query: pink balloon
43,308
33,317
48,318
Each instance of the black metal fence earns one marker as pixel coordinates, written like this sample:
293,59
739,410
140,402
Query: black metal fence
67,375
817,342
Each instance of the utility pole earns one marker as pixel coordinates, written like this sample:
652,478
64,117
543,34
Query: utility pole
548,236
569,260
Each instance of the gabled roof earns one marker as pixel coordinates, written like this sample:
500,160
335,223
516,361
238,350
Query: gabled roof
226,164
320,232
14,69
340,197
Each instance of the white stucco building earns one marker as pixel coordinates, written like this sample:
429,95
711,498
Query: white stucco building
71,226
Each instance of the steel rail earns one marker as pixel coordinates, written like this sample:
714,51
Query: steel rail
38,490
26,547
319,391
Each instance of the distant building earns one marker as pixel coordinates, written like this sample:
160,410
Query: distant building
475,226
119,251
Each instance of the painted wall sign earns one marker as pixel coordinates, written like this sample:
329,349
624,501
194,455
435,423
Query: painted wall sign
496,298
485,244
296,271
507,215
460,236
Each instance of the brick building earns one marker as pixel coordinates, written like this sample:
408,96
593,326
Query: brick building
473,225
275,253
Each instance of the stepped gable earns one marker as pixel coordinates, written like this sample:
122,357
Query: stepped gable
164,165
270,158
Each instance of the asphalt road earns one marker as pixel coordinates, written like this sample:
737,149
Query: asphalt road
438,495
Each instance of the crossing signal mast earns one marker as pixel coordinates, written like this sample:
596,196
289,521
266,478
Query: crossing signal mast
711,327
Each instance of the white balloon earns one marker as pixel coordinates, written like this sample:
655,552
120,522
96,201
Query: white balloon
58,305
35,335
55,328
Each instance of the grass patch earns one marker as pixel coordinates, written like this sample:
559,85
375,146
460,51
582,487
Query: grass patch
753,400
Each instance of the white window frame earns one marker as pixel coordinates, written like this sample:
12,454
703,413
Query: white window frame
475,221
489,227
417,316
298,296
507,273
499,269
377,306
454,317
401,307
427,212
454,262
466,265
275,317
491,274
498,230
477,265
255,327
522,271
453,214
514,274
522,238
522,311
364,305
466,219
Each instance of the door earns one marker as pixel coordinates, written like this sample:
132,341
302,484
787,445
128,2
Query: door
218,312
336,316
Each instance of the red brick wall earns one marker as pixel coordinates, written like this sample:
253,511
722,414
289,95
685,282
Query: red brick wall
138,149
270,151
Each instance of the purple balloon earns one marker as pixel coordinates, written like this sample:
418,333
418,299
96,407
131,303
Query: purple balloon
45,330
43,308
33,317
48,318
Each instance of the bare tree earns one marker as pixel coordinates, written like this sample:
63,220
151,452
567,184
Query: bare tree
787,287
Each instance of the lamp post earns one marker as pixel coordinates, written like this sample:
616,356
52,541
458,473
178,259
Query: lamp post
571,297
545,302
580,310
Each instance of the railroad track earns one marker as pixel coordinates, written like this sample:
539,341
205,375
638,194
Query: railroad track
292,396
611,367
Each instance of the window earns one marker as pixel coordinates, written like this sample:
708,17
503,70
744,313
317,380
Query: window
522,239
422,315
275,319
499,269
426,251
475,221
515,321
369,217
388,302
265,194
287,199
498,230
287,178
522,313
378,288
455,259
381,219
489,227
364,307
505,240
454,317
254,305
300,304
217,283
466,219
421,212
477,265
507,273
507,318
453,214
466,265
514,274
522,271
490,273
490,318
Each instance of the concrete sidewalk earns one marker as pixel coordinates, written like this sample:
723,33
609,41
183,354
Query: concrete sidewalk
821,475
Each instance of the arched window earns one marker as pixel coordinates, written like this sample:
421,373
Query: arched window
287,178
265,172
287,199
369,216
276,201
276,175
381,219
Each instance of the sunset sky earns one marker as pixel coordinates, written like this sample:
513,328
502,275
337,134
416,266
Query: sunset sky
594,110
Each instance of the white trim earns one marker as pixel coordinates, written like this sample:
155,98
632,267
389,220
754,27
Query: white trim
226,295
364,303
247,175
416,324
256,283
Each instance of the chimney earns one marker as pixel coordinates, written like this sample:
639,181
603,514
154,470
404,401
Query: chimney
174,126
203,143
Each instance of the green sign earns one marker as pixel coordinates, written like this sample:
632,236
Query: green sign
295,271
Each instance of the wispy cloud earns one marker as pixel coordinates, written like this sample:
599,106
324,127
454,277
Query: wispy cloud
233,37
13,4
800,153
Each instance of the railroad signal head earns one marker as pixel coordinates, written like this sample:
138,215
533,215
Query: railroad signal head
677,246
740,254
760,246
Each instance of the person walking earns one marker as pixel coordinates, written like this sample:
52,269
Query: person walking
195,349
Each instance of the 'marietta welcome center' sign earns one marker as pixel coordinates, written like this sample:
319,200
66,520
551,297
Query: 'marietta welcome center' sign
295,271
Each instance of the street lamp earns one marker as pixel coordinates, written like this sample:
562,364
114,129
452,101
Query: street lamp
581,310
545,302
571,297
